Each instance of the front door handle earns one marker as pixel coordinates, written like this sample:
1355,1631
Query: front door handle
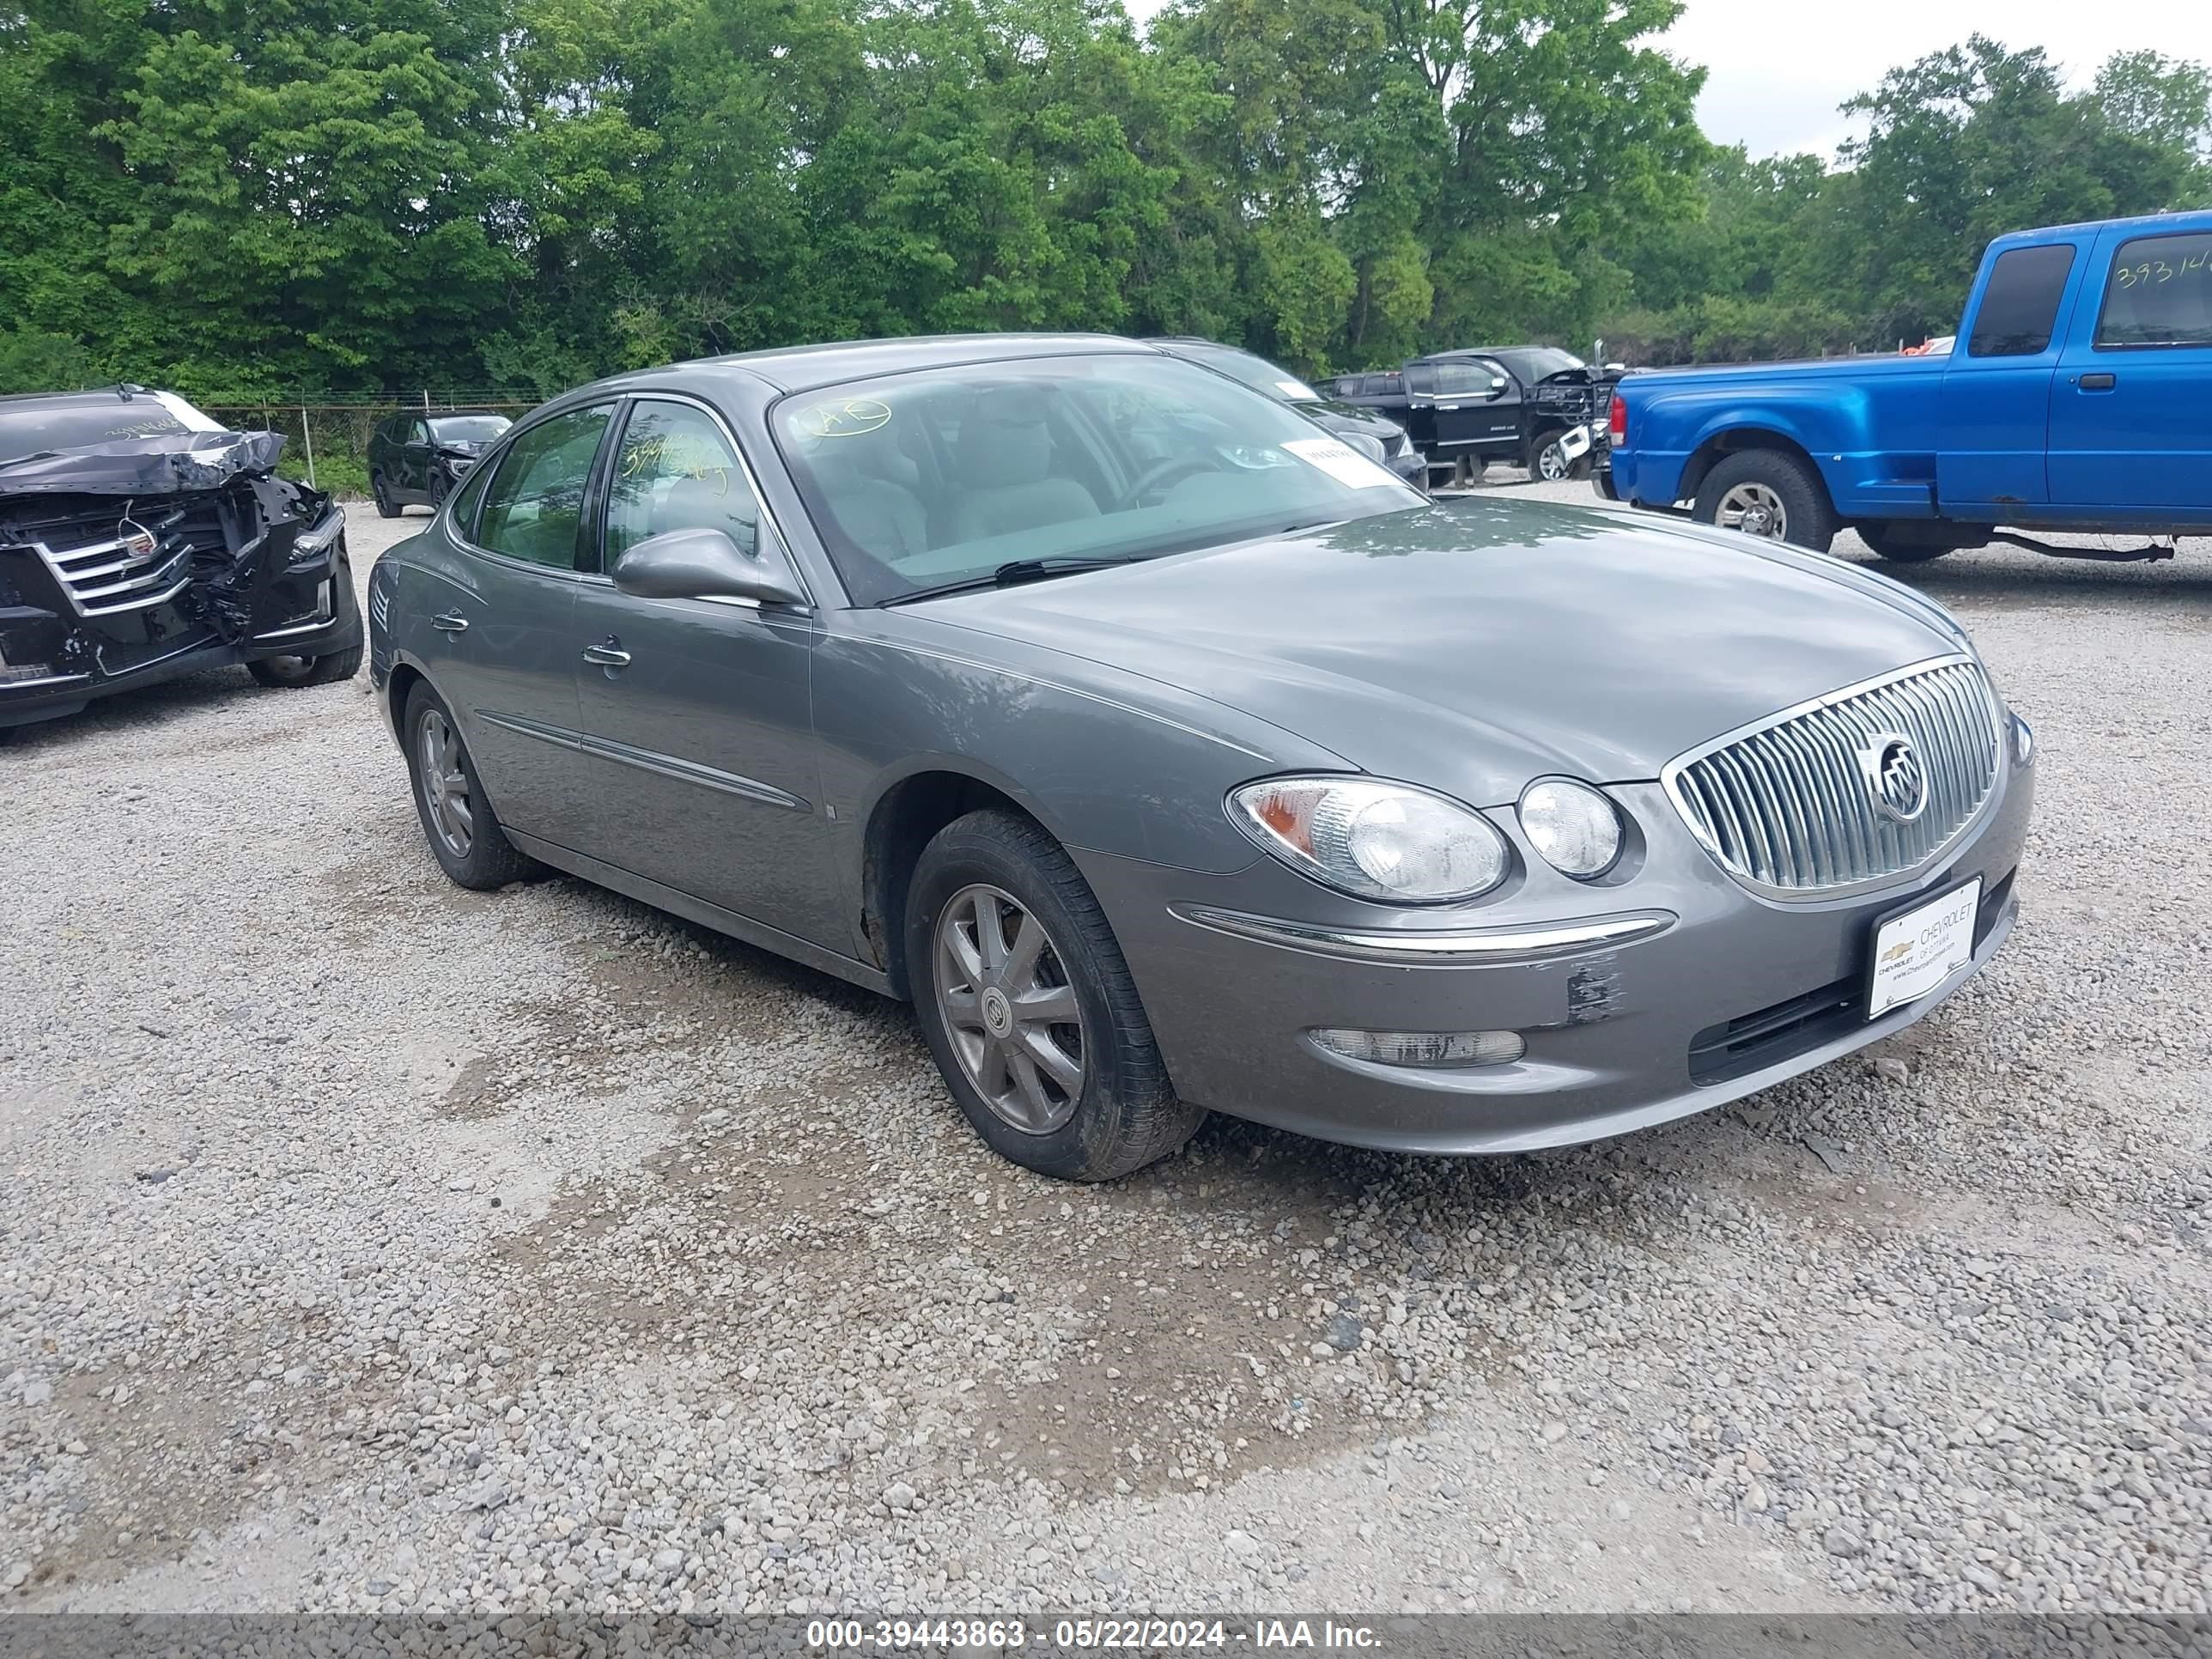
608,655
450,622
2097,382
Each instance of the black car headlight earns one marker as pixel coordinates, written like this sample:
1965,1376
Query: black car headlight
313,543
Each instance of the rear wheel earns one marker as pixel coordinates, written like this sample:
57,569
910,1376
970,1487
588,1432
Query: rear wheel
1029,1007
1889,543
457,819
1770,494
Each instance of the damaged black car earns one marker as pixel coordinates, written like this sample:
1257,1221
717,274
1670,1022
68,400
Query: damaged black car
140,540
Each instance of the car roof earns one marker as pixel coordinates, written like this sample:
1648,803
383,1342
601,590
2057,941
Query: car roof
98,396
2173,223
802,368
1457,352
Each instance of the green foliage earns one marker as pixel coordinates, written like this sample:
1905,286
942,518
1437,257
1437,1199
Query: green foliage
358,195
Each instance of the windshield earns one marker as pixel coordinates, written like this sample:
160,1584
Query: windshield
937,478
468,428
1531,363
1255,372
39,424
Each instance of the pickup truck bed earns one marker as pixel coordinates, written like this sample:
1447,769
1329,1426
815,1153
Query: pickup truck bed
2075,399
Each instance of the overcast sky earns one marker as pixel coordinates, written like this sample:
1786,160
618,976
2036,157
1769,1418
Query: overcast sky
1778,67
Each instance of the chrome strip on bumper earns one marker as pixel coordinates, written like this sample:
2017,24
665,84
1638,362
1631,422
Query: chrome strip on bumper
1475,946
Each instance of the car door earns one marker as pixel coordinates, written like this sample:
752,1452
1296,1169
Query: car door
1478,409
2128,429
415,459
696,713
1996,420
500,642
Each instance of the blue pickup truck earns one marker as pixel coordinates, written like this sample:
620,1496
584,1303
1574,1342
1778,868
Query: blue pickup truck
2077,396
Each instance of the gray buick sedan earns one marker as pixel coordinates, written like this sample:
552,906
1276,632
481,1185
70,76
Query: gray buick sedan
1172,756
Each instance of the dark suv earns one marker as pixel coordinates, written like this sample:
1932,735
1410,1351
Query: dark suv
140,540
415,458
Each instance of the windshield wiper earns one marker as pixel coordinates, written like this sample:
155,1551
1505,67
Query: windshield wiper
1013,572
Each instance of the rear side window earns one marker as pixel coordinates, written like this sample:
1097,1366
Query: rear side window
535,502
2159,293
2020,306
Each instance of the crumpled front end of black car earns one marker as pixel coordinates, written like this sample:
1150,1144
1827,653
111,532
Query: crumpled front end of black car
149,557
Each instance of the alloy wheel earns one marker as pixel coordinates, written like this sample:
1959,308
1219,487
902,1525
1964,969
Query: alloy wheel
1010,1014
445,782
1552,462
1754,508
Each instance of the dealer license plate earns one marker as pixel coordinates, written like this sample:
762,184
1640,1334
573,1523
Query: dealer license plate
1917,950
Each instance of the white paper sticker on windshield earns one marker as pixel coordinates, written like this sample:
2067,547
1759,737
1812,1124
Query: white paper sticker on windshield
1297,391
1341,462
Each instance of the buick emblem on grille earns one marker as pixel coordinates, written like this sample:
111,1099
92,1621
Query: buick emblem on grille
1895,776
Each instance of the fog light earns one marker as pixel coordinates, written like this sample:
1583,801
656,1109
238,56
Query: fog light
2023,742
1425,1048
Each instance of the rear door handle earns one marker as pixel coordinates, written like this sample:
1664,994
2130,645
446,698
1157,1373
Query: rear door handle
2097,382
609,655
452,621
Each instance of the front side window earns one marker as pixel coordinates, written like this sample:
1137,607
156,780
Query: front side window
2159,293
675,470
1462,379
2020,306
534,503
938,478
414,432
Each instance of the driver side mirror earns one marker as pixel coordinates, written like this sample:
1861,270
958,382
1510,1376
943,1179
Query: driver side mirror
1499,385
702,564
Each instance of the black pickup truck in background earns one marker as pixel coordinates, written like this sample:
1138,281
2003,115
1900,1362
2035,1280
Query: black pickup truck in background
1532,405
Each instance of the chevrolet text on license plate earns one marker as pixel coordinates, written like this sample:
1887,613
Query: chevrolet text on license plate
1917,950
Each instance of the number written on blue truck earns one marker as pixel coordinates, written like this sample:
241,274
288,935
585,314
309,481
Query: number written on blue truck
2073,399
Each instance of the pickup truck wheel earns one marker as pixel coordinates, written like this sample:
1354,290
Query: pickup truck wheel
1888,546
1768,493
1547,459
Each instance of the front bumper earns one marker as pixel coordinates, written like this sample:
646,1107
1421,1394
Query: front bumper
130,652
1733,994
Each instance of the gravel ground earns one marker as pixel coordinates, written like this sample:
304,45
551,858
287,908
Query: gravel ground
370,1243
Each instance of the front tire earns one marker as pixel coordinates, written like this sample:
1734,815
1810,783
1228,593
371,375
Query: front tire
1770,494
1547,459
457,816
289,674
1030,1009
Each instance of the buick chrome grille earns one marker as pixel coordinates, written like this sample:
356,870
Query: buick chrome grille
1789,806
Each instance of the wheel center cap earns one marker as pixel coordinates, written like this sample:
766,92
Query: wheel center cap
998,1013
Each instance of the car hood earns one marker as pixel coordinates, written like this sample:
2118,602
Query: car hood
1347,417
1474,645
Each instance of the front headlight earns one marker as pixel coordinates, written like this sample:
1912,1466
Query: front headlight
1572,826
1374,839
314,541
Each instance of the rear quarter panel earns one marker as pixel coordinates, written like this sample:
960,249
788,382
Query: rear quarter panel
1870,425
